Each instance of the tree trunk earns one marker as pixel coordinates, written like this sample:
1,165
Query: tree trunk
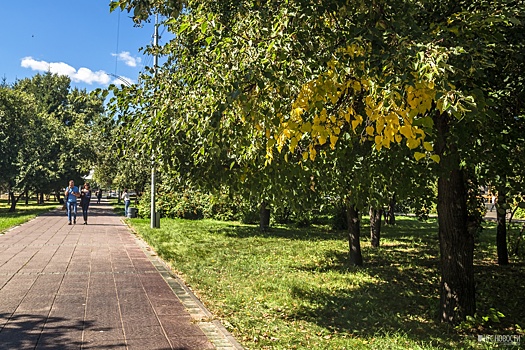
391,213
375,226
354,232
26,195
13,200
501,231
59,197
456,243
264,213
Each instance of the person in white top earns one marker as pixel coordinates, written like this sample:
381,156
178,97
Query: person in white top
127,200
493,202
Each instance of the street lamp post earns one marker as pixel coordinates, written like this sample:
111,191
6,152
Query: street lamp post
153,221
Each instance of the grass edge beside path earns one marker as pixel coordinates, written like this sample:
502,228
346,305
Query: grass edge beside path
23,213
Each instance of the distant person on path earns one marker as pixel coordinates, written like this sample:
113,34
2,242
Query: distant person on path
493,202
85,198
99,195
127,200
71,195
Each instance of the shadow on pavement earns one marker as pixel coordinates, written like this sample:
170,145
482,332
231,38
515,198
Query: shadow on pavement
26,331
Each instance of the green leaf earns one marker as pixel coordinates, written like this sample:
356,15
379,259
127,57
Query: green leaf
426,122
183,27
515,21
204,26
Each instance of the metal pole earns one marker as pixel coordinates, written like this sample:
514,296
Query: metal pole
153,222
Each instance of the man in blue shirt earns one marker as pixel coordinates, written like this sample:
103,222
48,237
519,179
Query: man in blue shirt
71,194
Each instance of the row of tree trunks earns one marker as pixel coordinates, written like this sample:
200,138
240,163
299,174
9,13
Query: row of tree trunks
13,199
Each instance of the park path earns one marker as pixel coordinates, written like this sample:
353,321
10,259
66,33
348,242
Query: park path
95,286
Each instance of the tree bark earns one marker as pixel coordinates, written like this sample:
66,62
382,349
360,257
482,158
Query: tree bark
13,200
501,230
26,195
457,286
375,226
391,213
354,233
264,212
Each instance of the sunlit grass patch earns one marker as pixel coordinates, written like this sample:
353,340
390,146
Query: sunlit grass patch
22,214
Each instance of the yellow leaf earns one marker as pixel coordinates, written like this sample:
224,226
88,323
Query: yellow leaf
298,111
386,141
313,153
428,146
322,118
305,155
322,140
435,158
333,141
370,130
355,123
293,144
406,131
419,155
399,138
413,143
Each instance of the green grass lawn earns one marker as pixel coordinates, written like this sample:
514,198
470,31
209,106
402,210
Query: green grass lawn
291,288
23,213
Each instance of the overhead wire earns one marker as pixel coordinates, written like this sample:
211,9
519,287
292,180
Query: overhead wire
118,39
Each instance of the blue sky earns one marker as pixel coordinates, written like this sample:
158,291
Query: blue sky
81,39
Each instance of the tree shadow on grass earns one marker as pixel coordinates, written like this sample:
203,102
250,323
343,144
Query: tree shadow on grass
403,230
501,288
405,296
290,233
400,298
34,331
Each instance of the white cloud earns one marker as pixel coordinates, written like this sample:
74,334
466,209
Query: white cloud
126,57
82,75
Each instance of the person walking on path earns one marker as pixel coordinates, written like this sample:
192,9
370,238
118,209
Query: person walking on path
71,194
127,200
85,198
99,195
492,202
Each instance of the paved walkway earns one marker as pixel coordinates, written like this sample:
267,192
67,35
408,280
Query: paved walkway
95,286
